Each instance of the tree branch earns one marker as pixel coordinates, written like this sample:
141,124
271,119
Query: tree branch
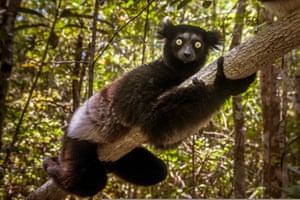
269,44
240,62
259,51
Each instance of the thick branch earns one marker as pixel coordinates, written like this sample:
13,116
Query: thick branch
49,191
242,61
271,43
260,51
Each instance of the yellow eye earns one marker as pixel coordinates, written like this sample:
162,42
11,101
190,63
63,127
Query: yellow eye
198,44
179,42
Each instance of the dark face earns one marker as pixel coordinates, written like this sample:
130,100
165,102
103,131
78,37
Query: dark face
187,47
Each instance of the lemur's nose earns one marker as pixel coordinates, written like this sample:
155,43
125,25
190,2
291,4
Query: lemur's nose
187,54
187,51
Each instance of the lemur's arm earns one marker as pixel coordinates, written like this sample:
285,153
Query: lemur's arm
184,109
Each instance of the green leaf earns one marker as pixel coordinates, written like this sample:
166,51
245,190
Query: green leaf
182,4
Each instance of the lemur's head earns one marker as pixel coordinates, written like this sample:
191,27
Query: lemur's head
187,44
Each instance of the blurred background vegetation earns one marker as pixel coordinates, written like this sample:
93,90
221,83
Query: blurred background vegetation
53,46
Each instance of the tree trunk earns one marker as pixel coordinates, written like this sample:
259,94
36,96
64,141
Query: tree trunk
239,174
76,86
297,94
238,116
271,43
6,52
274,109
297,109
92,50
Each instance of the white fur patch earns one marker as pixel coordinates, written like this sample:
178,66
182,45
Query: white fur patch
81,126
96,121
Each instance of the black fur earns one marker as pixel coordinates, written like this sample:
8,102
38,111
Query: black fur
146,97
183,109
79,171
147,171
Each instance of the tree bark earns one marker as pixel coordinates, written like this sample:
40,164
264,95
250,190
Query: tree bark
239,174
76,86
92,51
282,129
261,50
297,109
272,151
48,191
274,109
6,52
239,170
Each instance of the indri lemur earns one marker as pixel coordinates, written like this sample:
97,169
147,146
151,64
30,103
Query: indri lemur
281,7
146,97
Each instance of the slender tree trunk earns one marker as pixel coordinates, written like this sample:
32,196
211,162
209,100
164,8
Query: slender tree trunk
76,87
92,50
297,106
8,7
146,28
239,173
282,125
239,140
274,108
297,94
274,112
270,107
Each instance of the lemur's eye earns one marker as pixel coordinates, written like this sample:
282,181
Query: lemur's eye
198,44
179,42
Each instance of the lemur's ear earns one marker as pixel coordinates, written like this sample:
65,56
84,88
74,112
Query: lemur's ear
213,39
164,28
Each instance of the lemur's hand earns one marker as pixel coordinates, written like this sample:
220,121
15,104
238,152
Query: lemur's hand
228,86
199,83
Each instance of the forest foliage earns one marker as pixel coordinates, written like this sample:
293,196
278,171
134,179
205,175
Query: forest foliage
50,79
